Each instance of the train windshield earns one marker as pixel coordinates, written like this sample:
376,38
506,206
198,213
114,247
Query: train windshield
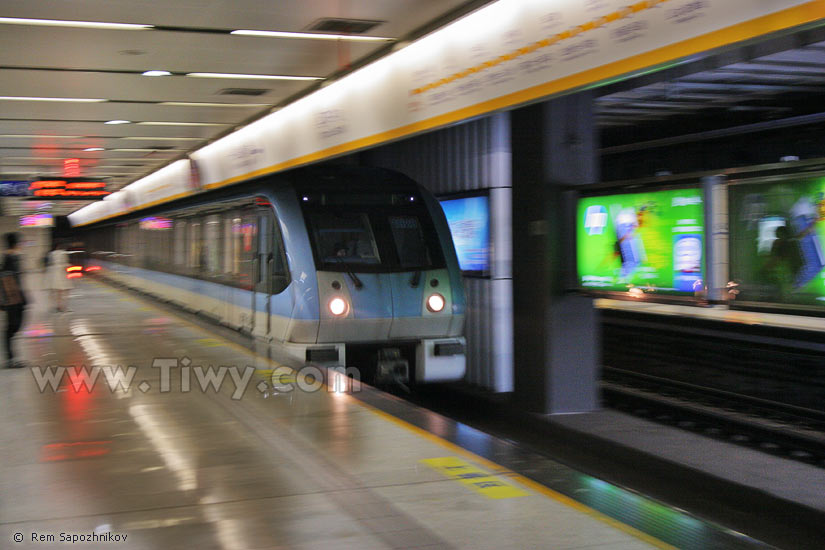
342,237
374,232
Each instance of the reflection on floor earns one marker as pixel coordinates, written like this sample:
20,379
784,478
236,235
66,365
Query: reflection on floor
154,456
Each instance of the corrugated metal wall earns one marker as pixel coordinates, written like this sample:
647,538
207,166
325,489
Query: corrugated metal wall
472,156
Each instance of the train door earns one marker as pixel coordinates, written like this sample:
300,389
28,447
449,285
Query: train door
263,270
242,261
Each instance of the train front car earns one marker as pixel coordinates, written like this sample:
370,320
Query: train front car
389,292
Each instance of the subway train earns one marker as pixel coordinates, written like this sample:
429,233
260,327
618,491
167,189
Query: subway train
345,265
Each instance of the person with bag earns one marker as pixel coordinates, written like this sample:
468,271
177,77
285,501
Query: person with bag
13,299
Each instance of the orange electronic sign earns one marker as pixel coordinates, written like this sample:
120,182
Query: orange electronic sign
69,189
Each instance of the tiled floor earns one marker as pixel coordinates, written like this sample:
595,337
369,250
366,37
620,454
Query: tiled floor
170,468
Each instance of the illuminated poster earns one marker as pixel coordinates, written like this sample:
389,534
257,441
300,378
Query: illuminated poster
469,221
776,241
37,220
642,242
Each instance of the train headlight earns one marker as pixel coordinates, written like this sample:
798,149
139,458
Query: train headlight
435,302
337,306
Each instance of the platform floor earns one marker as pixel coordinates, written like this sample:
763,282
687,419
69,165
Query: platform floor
200,469
143,466
716,313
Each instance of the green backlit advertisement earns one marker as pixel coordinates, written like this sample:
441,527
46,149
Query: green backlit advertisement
776,236
651,242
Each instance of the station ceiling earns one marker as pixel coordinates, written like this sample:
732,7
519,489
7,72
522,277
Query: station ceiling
779,82
167,116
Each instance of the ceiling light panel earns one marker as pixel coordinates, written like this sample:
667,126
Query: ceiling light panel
253,76
57,99
74,24
156,138
38,136
142,149
161,123
311,35
196,104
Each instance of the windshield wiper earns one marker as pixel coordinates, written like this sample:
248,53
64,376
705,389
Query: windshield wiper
355,280
416,279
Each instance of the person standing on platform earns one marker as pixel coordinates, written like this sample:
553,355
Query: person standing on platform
14,312
57,277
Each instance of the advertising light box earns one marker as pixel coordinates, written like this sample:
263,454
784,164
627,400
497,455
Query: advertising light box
37,220
651,242
469,221
776,236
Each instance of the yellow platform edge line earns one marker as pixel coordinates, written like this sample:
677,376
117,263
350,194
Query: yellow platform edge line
497,468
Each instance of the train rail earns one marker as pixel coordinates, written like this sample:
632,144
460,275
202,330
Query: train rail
793,432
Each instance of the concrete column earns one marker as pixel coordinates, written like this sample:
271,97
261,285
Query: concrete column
556,332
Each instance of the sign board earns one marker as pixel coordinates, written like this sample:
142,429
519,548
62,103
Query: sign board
14,188
777,231
650,242
69,188
469,221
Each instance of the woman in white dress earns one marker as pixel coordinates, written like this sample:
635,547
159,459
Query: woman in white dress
56,275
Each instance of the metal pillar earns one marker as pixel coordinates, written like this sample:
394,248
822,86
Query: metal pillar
557,333
715,191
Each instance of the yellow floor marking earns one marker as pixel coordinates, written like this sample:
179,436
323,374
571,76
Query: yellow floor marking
498,469
527,482
473,477
209,342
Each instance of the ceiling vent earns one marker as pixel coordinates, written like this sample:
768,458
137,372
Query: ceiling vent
243,91
343,26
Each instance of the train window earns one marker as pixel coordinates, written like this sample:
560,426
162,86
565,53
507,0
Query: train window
179,246
345,238
399,237
229,259
246,239
272,247
237,244
224,246
195,245
212,244
410,244
155,237
133,251
280,270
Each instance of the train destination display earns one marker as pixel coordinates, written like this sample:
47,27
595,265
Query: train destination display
776,241
642,242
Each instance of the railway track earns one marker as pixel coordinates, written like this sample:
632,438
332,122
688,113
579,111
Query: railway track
790,431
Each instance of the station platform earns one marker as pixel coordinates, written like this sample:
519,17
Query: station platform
248,464
716,313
